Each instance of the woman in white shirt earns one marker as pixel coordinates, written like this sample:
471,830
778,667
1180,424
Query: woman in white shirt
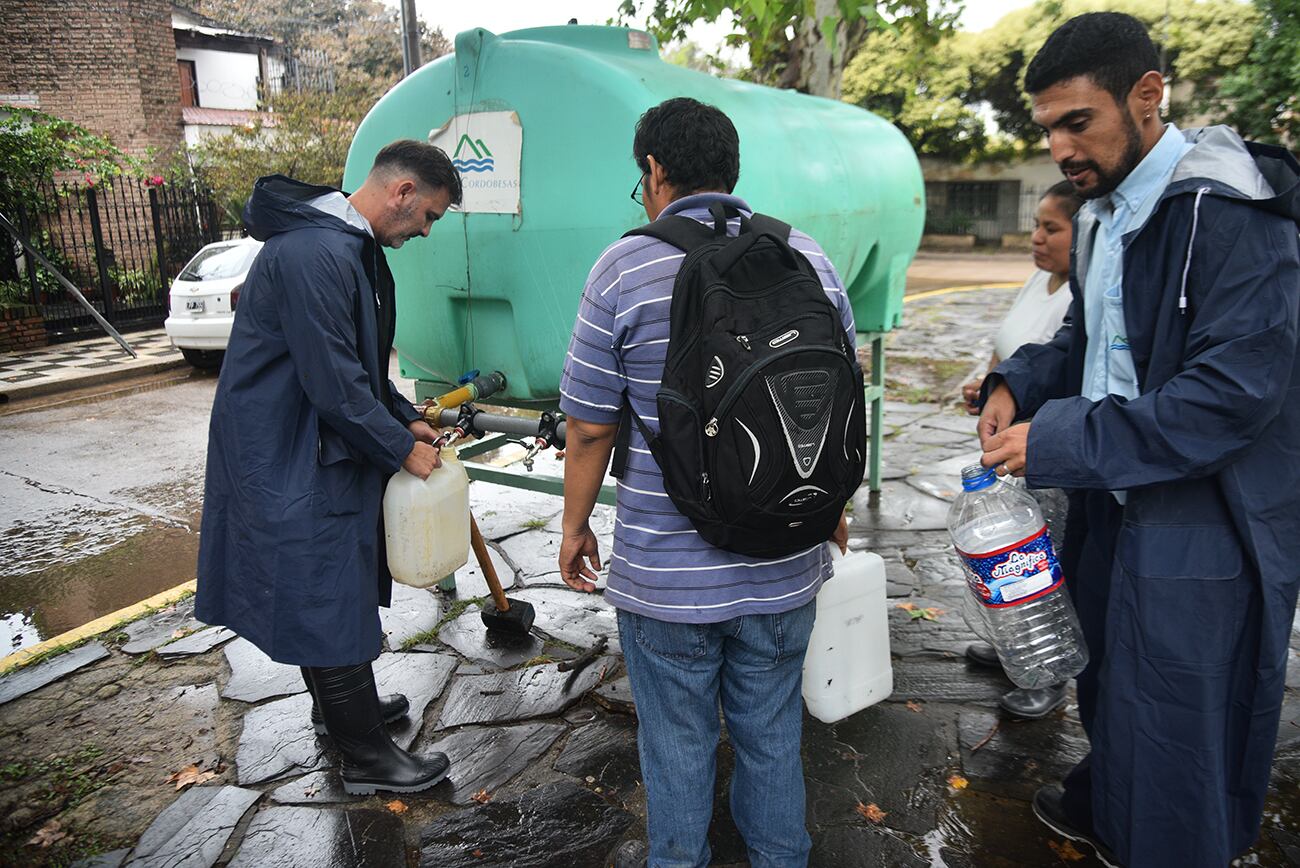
1044,300
1035,316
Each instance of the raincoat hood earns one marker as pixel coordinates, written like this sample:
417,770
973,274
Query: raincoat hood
280,203
1267,176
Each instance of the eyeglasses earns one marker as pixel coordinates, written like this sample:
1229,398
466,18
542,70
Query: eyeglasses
637,192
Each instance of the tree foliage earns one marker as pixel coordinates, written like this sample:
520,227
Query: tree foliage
799,44
1201,40
307,138
1261,96
361,38
940,94
34,145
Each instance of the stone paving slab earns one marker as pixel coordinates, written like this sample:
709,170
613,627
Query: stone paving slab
317,788
197,643
278,740
559,825
470,581
414,611
534,552
193,830
286,837
603,754
467,635
254,676
499,517
572,616
148,633
419,677
616,695
112,859
903,509
503,697
483,758
30,678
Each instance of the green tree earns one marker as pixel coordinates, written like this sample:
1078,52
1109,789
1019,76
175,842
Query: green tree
1202,40
1261,96
307,138
361,38
799,44
34,145
922,89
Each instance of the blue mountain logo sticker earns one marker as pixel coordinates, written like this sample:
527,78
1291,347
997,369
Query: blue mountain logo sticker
473,156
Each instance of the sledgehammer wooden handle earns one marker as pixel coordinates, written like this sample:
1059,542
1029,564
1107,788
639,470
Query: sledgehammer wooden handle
485,564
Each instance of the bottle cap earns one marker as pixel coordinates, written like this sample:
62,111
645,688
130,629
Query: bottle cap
977,476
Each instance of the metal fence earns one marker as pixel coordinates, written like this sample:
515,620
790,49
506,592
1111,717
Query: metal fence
986,209
120,243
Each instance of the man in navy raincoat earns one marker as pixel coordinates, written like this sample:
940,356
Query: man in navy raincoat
306,429
1166,402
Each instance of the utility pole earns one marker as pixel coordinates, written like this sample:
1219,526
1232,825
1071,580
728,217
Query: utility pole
410,38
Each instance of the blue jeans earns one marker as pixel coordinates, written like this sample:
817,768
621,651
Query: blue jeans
679,672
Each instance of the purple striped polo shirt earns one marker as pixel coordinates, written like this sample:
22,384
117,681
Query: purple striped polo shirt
660,566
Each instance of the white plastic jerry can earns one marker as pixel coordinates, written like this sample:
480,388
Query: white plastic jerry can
426,523
847,667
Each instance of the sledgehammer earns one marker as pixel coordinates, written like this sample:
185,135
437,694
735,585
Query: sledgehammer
501,613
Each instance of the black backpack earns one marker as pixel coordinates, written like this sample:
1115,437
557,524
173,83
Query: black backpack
762,426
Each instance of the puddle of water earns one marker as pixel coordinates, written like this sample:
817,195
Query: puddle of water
50,599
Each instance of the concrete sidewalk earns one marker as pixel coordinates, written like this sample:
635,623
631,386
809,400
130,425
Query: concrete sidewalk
79,365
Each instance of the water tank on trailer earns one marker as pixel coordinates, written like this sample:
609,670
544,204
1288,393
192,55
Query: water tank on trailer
540,123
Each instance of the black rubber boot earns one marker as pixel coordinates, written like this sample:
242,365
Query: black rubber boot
983,654
1033,704
392,706
350,708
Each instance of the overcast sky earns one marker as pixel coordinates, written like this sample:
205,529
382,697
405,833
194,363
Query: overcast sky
500,16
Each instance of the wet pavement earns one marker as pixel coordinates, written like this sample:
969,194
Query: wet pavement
159,745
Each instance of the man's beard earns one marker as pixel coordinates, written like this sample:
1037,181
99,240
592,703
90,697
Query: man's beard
1108,180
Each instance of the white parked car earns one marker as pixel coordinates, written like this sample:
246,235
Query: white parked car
203,299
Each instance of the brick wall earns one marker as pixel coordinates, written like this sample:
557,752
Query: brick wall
109,65
22,329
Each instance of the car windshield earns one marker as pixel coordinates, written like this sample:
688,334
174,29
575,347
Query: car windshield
215,263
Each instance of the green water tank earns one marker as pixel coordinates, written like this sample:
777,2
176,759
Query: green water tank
540,123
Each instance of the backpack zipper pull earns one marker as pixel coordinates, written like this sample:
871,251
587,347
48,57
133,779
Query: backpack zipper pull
711,429
744,342
708,492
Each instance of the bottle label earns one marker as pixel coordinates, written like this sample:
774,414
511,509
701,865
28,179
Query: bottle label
1013,575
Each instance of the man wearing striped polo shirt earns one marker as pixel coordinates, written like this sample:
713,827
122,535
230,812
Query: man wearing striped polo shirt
697,623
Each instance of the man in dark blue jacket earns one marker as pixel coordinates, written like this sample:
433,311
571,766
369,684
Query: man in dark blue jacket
1166,403
306,429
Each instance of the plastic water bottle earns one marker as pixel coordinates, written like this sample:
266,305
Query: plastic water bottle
1014,577
426,523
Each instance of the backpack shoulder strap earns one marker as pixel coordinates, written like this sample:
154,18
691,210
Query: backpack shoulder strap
762,223
683,233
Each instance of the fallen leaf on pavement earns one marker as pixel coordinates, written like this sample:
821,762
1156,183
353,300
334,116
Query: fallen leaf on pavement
1066,851
957,782
49,834
872,812
190,775
913,705
397,806
178,633
906,607
477,854
482,797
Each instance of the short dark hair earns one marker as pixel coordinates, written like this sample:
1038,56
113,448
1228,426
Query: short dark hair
1064,192
429,163
695,143
1111,48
